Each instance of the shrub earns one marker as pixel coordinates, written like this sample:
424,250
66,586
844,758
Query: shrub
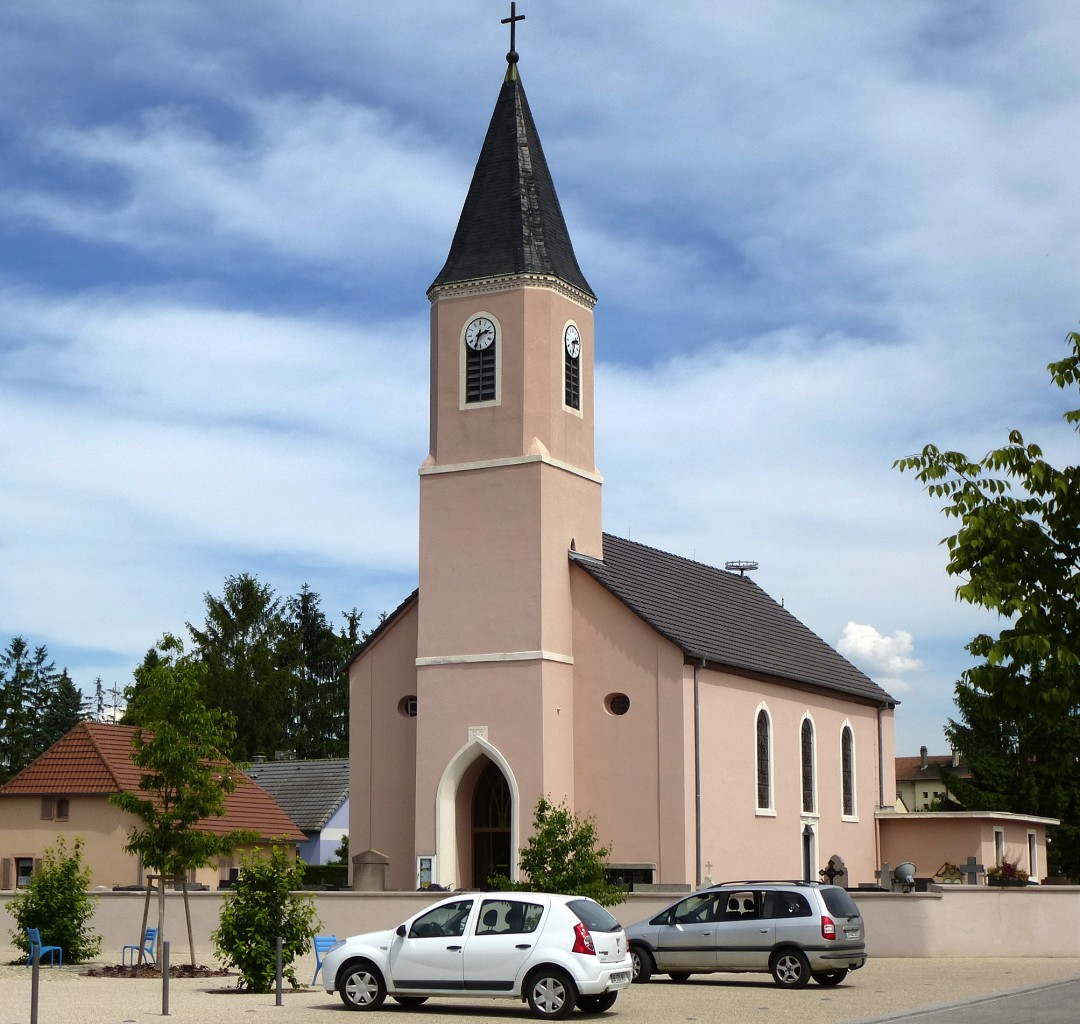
562,855
261,906
56,902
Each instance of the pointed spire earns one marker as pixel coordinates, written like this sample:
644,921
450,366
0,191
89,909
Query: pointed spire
511,222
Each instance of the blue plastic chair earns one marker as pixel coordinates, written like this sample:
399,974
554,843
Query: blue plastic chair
322,945
34,935
147,948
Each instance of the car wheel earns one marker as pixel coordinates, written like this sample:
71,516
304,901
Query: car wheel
410,1000
829,978
551,993
643,965
790,969
597,1004
361,986
679,975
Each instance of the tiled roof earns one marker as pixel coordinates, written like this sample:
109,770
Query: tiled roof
511,222
909,768
95,758
723,618
308,791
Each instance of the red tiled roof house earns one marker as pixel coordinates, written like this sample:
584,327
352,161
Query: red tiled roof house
65,792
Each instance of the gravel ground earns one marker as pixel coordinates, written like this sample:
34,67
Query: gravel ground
885,986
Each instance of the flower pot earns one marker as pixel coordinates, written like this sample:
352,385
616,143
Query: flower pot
1006,883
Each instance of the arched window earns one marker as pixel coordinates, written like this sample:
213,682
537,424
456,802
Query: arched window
764,761
847,770
807,766
572,366
481,341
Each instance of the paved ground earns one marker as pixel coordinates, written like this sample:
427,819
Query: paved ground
883,990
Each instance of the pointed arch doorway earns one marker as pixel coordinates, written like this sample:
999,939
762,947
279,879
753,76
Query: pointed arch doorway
492,808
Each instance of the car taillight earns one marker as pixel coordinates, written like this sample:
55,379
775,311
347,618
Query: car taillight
828,929
583,940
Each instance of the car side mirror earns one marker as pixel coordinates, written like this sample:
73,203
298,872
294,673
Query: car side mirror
671,917
401,930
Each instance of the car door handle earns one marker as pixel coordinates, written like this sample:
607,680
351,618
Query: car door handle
523,945
454,949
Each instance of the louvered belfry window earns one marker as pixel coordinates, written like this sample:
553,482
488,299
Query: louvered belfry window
572,366
480,374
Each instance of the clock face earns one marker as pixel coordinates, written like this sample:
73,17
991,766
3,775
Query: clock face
573,342
480,333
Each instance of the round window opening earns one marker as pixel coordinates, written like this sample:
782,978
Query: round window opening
407,706
617,703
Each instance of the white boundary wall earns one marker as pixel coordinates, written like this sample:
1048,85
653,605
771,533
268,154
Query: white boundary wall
960,921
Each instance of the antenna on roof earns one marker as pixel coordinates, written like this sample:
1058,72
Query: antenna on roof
740,566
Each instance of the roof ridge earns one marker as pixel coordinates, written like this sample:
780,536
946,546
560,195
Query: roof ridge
105,760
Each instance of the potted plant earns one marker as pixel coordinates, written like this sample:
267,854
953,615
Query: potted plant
1007,873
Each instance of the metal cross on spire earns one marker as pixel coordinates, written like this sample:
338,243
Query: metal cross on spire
512,21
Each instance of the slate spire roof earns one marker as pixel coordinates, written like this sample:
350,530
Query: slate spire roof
724,618
511,222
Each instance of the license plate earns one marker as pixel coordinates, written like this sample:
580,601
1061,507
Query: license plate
619,977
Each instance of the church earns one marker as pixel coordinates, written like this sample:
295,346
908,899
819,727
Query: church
708,732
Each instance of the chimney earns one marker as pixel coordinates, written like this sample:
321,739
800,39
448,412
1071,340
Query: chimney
261,758
922,756
955,758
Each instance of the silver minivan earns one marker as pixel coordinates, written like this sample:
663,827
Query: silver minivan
793,930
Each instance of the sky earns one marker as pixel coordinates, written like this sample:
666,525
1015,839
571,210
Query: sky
822,235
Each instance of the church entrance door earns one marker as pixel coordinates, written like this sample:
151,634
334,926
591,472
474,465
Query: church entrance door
491,826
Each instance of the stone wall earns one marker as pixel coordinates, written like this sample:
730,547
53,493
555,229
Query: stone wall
961,921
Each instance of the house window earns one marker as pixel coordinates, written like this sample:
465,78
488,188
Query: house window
63,809
24,868
407,706
807,766
764,760
48,809
847,771
1033,856
999,846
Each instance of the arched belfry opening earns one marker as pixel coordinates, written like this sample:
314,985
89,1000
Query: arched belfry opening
491,814
476,816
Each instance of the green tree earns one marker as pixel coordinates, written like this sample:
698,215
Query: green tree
38,705
1017,553
563,855
244,647
58,904
179,747
261,906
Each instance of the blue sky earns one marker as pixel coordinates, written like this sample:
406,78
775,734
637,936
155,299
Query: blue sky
822,235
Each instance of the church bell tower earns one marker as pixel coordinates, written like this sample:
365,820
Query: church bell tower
508,489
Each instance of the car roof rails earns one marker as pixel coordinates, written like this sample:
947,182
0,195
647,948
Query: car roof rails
768,881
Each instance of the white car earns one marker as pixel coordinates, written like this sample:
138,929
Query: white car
554,951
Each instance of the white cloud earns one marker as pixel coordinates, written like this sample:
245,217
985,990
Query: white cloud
887,658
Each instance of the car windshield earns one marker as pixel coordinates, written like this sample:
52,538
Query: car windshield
594,916
839,902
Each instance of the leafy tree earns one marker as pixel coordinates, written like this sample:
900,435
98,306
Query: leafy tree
38,705
278,667
58,904
1017,553
341,854
319,692
562,855
260,907
244,650
179,746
